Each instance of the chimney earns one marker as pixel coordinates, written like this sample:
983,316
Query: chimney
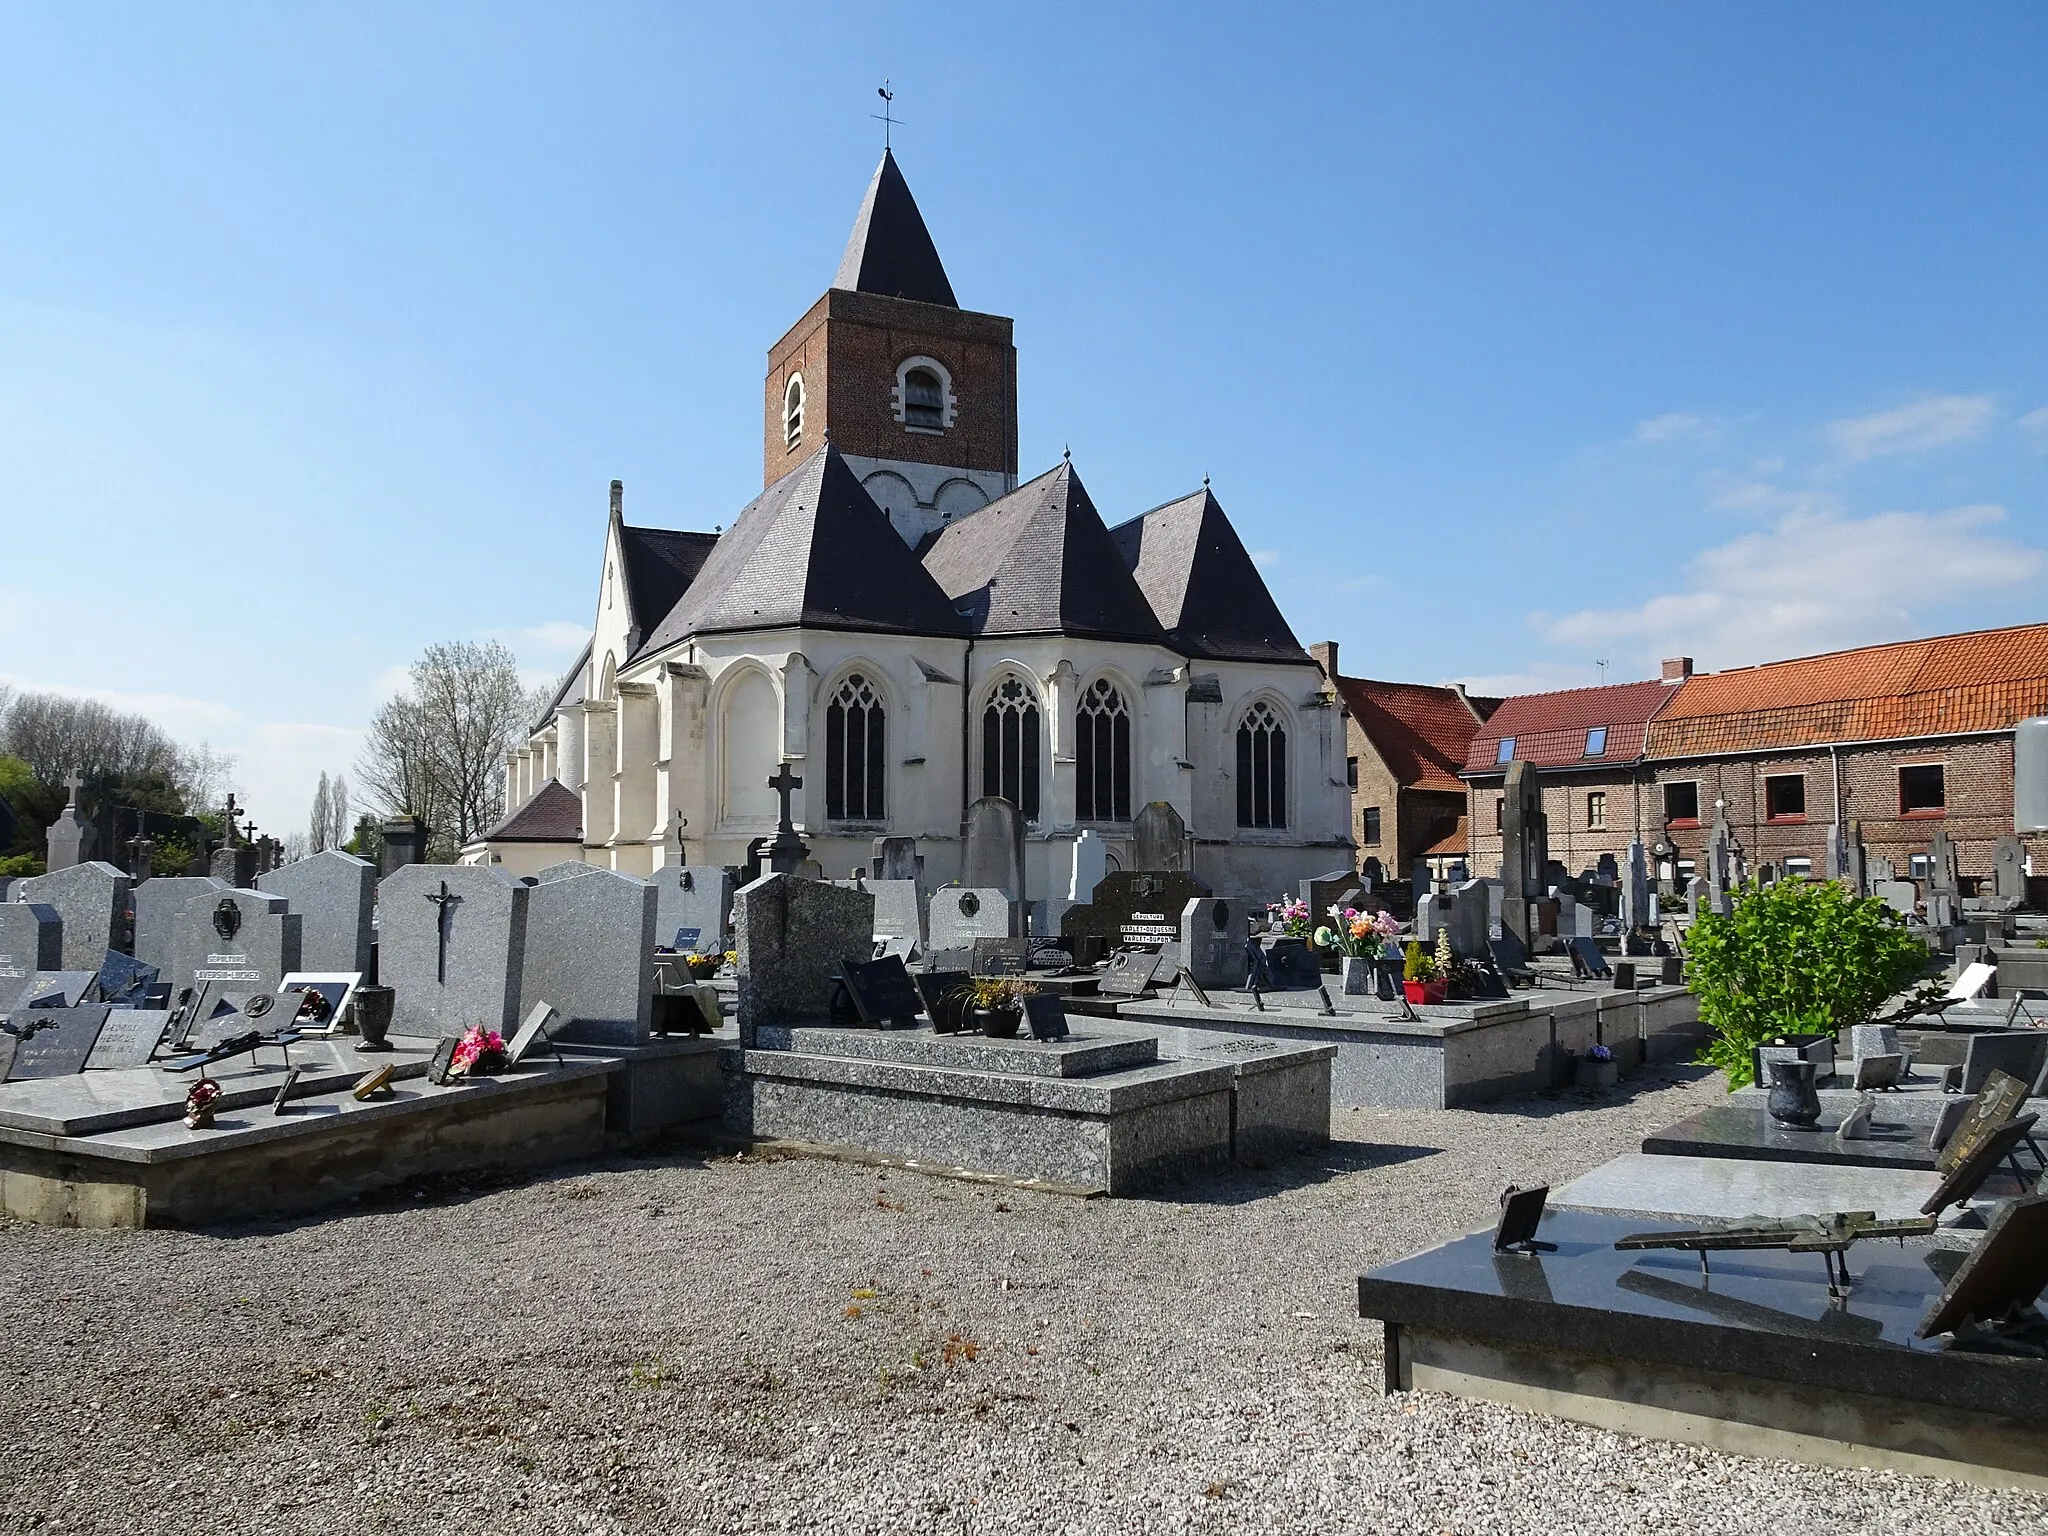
1677,668
1325,653
619,505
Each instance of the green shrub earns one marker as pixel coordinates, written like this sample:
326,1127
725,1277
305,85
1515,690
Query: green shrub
1799,956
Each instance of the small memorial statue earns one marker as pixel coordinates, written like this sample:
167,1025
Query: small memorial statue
201,1102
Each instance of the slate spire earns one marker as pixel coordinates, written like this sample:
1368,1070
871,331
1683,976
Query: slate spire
890,251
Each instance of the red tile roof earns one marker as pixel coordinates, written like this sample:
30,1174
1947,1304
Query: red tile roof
1550,728
1453,841
1421,731
553,815
1985,681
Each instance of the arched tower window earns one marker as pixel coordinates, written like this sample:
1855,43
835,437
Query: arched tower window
856,752
924,400
1009,747
1102,755
793,411
1261,769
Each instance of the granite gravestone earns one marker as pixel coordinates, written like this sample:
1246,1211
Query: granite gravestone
1525,850
1638,901
1159,840
895,858
1135,911
1129,973
1719,896
1876,868
123,980
882,992
1047,1016
695,896
240,942
1471,906
333,893
92,901
158,901
1429,916
960,915
56,1042
450,938
2009,870
1900,895
31,940
128,1038
994,858
588,949
791,935
1091,863
70,840
1212,941
899,913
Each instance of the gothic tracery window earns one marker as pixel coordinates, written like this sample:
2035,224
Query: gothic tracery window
1261,769
1009,747
856,751
1102,755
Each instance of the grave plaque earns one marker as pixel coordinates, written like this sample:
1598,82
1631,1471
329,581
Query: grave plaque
1996,1102
1046,1014
60,989
128,1038
883,993
441,1068
998,957
534,1028
1129,973
1135,911
123,979
2005,1272
946,996
56,1042
284,1089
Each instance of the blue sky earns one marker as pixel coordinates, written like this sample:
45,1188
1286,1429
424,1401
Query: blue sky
1515,338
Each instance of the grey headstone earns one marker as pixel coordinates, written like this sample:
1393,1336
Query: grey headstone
994,859
961,914
265,945
1607,870
31,940
62,1045
158,901
1429,916
588,950
1900,895
1091,863
485,939
1941,864
1720,871
1879,869
234,867
695,896
1159,840
1873,1040
333,893
92,900
1420,881
1471,932
1638,902
70,840
1692,900
1212,937
792,935
1525,850
2009,870
896,858
899,912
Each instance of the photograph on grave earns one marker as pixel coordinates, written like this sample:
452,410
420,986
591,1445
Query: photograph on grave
322,998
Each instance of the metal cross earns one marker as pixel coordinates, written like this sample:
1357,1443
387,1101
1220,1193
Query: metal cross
783,782
443,900
883,116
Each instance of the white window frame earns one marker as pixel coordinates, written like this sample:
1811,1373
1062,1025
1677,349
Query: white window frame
949,402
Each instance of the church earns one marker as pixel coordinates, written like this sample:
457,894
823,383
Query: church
910,629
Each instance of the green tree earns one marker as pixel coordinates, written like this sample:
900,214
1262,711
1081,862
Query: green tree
1799,956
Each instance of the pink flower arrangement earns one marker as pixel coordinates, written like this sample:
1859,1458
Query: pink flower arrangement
479,1052
1292,917
1360,933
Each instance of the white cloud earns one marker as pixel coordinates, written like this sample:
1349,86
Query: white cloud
1673,426
1540,678
1812,583
1932,422
1265,559
556,636
2034,425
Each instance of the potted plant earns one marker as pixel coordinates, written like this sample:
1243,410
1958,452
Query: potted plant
703,967
997,1003
1421,980
1359,938
1597,1069
479,1053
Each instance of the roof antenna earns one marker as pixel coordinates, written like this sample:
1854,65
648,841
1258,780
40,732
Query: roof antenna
1603,672
883,116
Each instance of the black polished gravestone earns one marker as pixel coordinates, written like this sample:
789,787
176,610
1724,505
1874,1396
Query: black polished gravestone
946,996
1046,1015
1291,963
56,1042
1129,973
2003,1276
882,991
1746,1132
123,979
1135,911
128,1039
999,957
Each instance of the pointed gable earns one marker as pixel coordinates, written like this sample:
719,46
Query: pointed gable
812,550
1040,561
890,251
658,565
1196,574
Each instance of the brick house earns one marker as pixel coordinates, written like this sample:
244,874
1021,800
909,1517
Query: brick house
1404,746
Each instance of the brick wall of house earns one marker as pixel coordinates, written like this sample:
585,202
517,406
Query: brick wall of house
848,347
1575,841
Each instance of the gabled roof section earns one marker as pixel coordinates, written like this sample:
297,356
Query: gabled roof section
890,251
659,565
1040,561
1454,841
811,550
571,689
553,815
1550,729
1423,733
1988,680
1194,571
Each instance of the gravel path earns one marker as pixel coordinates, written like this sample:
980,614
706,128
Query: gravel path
674,1345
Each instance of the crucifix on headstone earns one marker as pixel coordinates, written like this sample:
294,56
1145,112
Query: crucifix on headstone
443,899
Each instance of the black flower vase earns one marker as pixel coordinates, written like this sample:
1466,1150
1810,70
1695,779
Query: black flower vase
1794,1100
373,1008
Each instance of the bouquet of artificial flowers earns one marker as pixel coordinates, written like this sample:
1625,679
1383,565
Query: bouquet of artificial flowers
479,1053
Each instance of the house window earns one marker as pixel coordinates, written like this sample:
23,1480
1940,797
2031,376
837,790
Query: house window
1785,797
1684,869
1261,769
1506,751
1596,810
1799,869
1596,741
1923,790
1682,801
1009,747
1351,773
856,750
793,411
1369,826
1102,756
1920,866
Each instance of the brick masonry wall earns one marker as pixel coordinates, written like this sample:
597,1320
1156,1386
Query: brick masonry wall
1574,841
848,347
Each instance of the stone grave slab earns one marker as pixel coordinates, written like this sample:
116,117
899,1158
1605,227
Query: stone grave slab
92,901
31,940
999,957
450,940
158,901
791,935
1748,1131
128,1038
59,1043
1726,1188
693,897
589,945
332,893
123,979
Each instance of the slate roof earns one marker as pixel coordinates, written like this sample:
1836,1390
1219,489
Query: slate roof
553,815
890,251
1987,680
813,550
1040,561
1423,733
572,687
660,564
1550,728
1202,584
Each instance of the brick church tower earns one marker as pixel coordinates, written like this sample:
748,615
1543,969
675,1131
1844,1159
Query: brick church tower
918,394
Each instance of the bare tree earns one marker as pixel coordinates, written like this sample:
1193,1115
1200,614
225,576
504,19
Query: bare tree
397,764
438,751
57,736
323,814
203,777
337,812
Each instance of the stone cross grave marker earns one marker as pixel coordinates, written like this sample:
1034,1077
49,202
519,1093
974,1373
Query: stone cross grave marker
588,949
452,965
92,900
31,940
70,840
694,896
333,893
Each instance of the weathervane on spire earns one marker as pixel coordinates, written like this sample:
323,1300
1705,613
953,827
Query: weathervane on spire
883,116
